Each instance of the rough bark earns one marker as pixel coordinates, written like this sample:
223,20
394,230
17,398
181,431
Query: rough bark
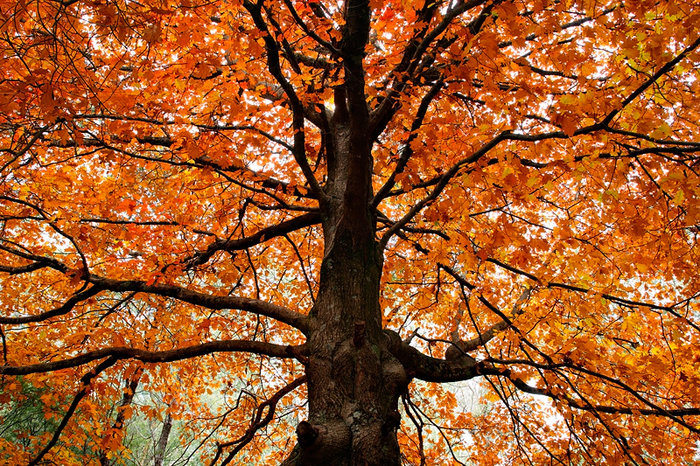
354,382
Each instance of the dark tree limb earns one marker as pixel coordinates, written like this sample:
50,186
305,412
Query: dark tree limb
163,440
127,398
119,353
330,48
429,369
58,311
672,413
407,150
488,334
206,300
668,66
230,245
404,72
298,112
209,301
612,298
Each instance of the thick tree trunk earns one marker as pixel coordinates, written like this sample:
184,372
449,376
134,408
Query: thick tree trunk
353,380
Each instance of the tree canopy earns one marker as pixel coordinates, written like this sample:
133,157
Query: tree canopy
296,222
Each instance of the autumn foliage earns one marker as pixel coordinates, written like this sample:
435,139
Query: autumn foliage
290,225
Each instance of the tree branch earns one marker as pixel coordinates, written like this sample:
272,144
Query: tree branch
85,385
407,151
413,54
300,22
257,422
652,79
280,229
440,185
273,65
188,352
609,297
673,413
208,301
429,369
58,311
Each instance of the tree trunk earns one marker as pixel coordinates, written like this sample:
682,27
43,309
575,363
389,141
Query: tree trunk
353,380
127,398
163,441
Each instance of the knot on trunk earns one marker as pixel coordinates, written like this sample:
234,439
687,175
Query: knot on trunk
392,422
358,336
322,443
306,434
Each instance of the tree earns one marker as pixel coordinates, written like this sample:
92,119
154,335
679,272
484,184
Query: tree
324,211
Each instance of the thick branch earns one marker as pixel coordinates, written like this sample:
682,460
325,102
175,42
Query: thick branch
122,352
41,262
209,301
431,369
167,141
265,234
355,39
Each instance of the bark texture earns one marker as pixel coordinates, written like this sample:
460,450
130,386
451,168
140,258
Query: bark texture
354,381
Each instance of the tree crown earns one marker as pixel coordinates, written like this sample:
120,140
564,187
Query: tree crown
521,178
